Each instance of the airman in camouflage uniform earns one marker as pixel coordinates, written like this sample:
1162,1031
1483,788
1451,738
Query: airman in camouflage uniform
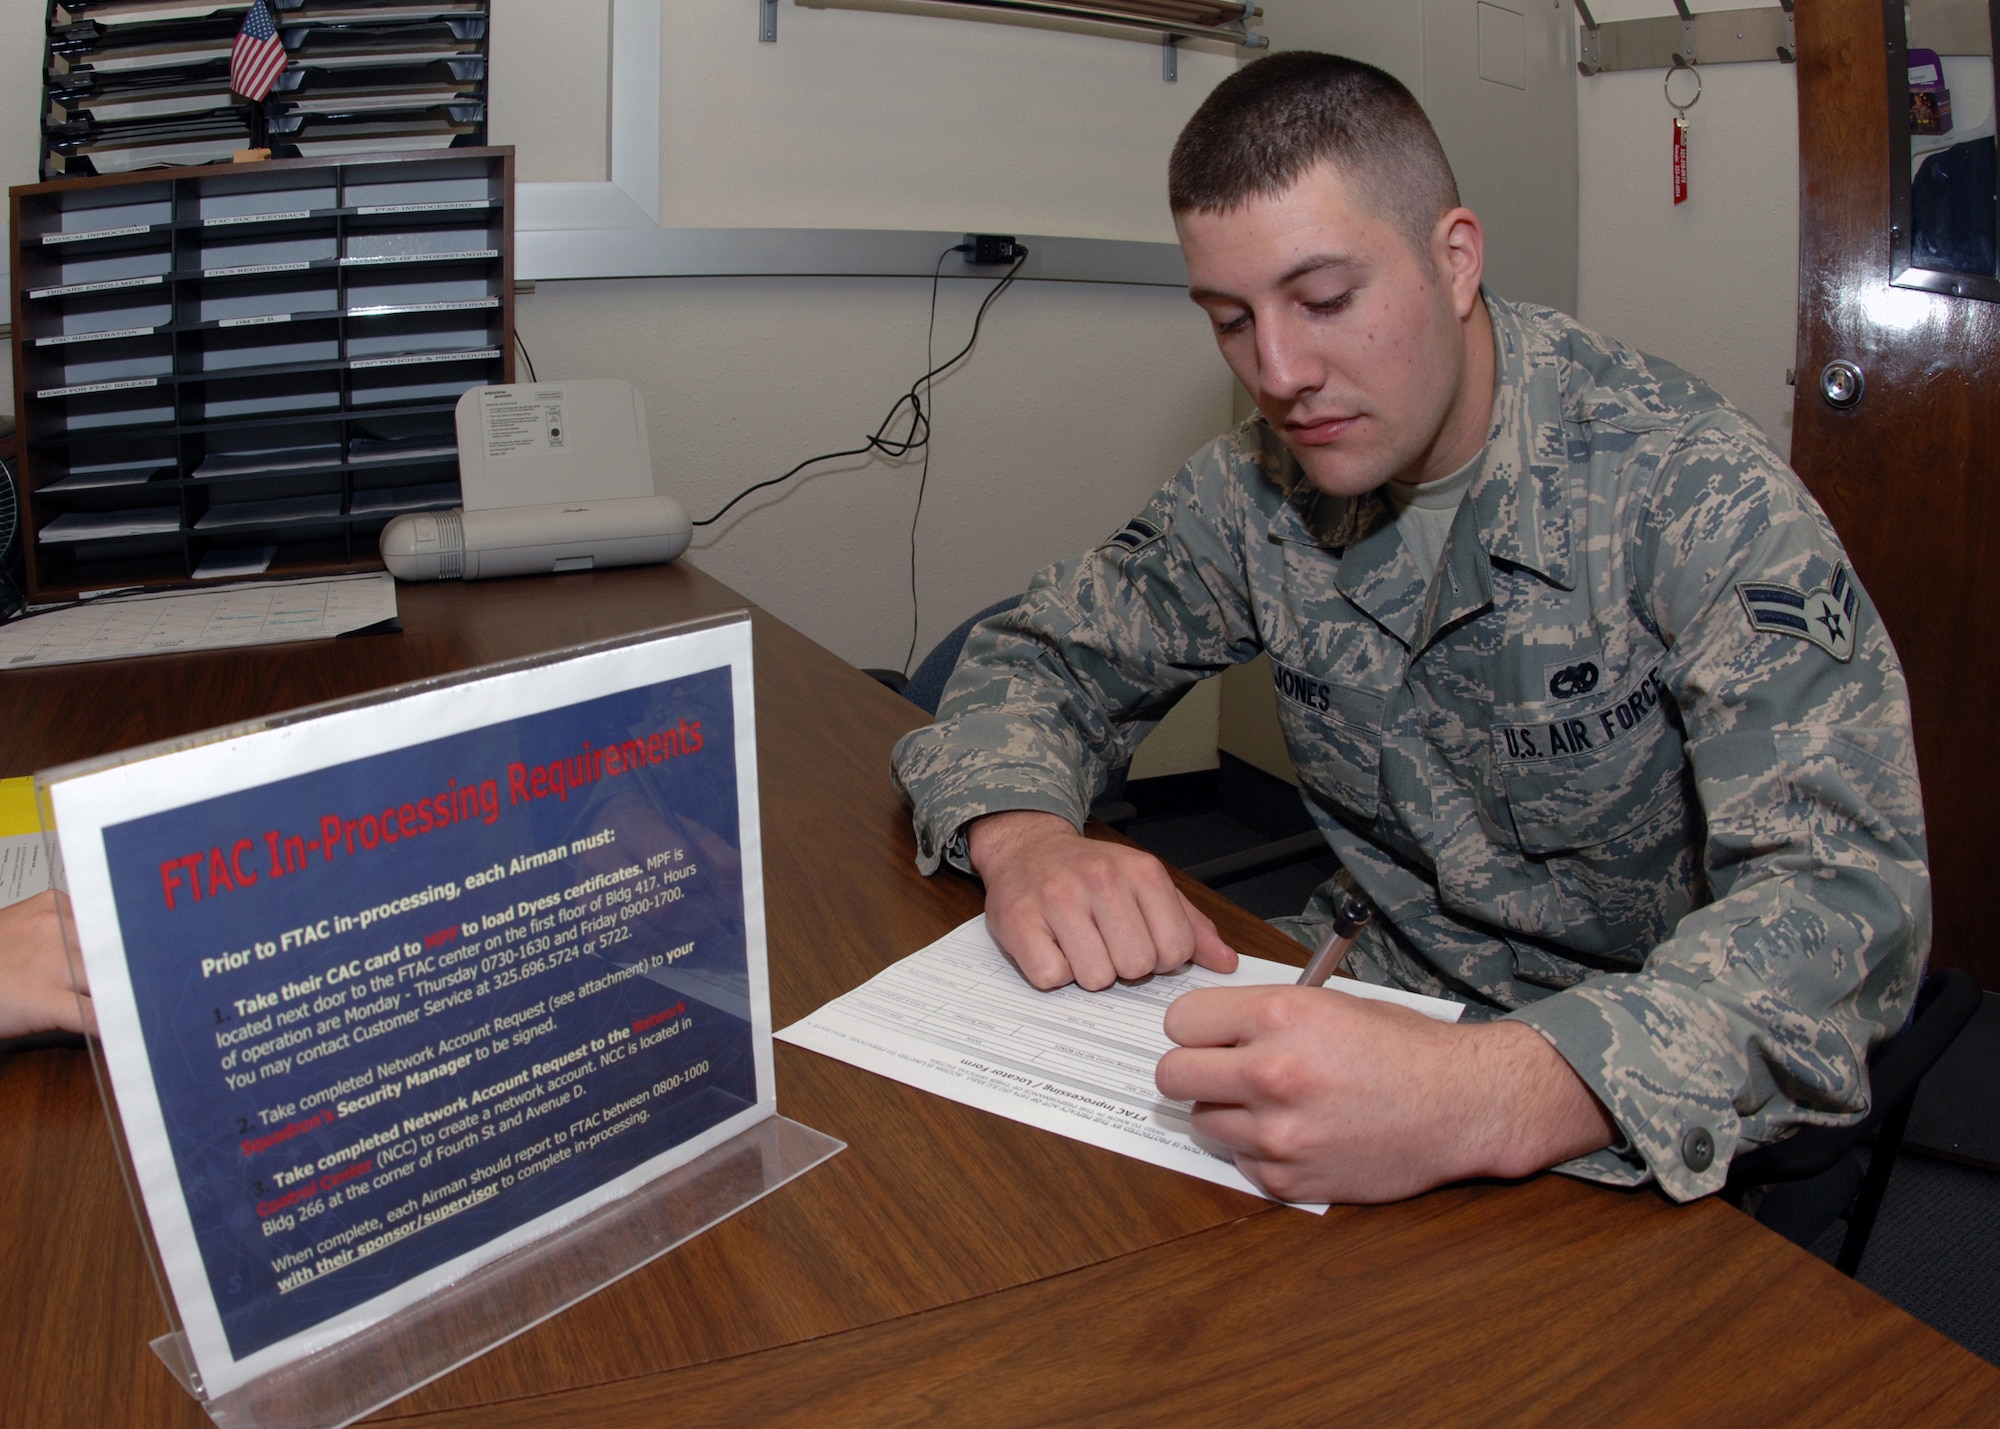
1634,767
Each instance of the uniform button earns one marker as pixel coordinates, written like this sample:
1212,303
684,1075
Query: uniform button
1698,1149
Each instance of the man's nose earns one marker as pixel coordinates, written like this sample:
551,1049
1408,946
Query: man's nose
1286,362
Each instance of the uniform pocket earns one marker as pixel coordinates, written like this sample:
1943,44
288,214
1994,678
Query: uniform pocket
1580,781
1334,733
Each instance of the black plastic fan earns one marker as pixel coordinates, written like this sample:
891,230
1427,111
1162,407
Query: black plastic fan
10,539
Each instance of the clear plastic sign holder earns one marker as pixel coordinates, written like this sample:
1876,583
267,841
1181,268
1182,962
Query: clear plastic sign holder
364,1369
384,1362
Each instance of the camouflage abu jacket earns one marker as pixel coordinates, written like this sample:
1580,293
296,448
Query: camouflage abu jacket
1635,768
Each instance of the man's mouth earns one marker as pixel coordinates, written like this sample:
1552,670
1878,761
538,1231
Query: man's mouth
1320,431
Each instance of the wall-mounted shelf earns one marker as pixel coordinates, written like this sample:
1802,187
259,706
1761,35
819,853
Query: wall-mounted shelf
1171,20
1951,27
212,364
1687,36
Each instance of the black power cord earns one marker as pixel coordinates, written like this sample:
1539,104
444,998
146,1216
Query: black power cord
524,356
917,435
924,476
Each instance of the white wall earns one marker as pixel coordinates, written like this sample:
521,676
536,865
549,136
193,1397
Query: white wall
22,37
1711,284
1078,402
1080,399
1512,144
862,119
548,63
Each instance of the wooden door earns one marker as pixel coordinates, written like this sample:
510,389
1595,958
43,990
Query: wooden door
1910,475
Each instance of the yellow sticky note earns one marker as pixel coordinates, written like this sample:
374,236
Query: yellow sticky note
18,814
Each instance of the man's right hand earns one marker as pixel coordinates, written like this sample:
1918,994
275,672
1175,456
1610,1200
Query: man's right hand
1067,908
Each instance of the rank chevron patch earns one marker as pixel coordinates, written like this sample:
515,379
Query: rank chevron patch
1137,533
1825,616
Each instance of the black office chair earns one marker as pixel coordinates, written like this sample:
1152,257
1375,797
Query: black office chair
924,687
1821,1174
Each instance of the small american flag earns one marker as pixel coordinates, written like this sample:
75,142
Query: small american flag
258,56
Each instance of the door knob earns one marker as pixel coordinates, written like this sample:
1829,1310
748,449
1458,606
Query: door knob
1841,383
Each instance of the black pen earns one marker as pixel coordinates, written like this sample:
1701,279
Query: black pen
1348,922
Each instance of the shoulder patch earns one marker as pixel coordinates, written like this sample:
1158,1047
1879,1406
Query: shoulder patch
1826,616
1137,533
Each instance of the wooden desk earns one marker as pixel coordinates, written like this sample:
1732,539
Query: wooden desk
950,1267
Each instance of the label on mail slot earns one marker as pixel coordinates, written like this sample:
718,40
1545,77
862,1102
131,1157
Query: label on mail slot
107,285
122,231
104,336
230,219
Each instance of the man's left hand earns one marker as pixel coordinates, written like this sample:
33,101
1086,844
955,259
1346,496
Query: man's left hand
1326,1097
35,990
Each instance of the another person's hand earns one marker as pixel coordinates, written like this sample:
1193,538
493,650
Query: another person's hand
1325,1097
1066,908
35,993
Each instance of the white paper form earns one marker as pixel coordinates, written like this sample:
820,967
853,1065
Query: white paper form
257,613
958,1020
24,867
24,862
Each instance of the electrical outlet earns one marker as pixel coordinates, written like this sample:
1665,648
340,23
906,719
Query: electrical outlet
994,250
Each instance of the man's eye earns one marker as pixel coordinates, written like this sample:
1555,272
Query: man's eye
1234,325
1337,303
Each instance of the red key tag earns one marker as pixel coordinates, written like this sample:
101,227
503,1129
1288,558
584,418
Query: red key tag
1680,158
1681,62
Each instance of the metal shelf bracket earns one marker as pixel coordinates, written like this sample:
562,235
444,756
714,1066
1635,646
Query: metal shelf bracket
1173,20
1589,60
1687,37
1685,55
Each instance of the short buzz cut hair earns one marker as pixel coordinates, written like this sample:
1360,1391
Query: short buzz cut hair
1263,128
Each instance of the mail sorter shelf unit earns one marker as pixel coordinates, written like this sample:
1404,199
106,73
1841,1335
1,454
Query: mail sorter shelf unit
212,364
129,86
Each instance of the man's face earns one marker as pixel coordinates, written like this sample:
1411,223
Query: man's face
1357,348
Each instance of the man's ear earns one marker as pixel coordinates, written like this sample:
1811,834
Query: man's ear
1458,248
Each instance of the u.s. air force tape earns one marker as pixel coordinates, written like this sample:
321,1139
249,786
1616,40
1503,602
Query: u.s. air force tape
1826,616
1636,706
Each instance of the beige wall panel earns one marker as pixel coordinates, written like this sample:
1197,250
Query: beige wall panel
865,119
1248,723
1185,741
1078,403
1513,146
22,40
1710,284
1388,34
549,74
